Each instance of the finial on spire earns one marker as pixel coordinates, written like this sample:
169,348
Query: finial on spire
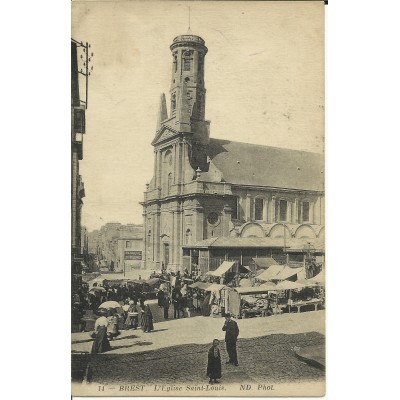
189,31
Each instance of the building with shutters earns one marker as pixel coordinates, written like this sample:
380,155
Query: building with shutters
78,109
212,200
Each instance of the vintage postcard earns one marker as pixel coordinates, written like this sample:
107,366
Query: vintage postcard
198,248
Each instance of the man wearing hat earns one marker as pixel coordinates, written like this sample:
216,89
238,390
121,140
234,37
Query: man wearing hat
231,333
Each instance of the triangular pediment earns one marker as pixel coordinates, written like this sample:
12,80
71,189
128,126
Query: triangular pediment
163,134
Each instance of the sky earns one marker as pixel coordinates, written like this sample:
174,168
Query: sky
264,75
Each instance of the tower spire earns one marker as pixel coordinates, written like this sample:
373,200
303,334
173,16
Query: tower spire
162,112
189,31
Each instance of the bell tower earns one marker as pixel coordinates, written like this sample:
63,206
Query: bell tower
188,93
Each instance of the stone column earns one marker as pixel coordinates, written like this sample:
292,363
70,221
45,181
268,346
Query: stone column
177,163
265,210
177,242
198,222
312,212
296,211
248,207
289,211
183,168
226,219
155,168
153,239
273,216
318,211
158,169
145,244
174,152
157,234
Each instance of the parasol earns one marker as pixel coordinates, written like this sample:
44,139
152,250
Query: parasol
110,304
97,289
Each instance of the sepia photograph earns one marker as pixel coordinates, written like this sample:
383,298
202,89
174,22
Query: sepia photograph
197,198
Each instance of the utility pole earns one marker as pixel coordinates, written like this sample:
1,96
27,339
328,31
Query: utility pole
85,71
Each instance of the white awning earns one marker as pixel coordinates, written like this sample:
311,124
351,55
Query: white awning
215,287
279,272
287,272
287,285
319,278
222,269
270,273
253,290
195,284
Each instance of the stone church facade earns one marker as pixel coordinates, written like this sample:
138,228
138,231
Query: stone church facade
247,197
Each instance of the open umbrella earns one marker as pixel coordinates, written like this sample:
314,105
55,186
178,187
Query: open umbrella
110,304
245,282
97,289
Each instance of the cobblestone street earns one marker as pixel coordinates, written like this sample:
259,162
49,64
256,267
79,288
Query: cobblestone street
176,351
264,359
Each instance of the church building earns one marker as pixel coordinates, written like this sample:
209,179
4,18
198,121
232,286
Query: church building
212,200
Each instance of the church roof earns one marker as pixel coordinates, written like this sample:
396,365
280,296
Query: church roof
256,165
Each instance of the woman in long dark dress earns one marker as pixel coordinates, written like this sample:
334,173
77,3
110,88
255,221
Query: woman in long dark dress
205,307
101,343
214,362
147,319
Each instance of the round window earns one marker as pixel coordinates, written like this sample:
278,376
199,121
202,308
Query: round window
213,218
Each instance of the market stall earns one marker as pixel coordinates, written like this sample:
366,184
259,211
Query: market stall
319,279
249,301
221,271
199,293
150,288
281,273
218,298
299,295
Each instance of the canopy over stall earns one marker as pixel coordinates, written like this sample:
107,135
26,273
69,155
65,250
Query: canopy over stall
288,272
235,295
195,284
153,281
288,285
200,285
271,272
264,262
319,278
280,273
222,269
254,289
245,282
215,287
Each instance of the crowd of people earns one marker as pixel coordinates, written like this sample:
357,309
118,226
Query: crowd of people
133,313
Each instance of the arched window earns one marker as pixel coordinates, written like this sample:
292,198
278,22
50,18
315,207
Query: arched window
169,182
306,211
235,209
281,208
173,101
258,209
186,61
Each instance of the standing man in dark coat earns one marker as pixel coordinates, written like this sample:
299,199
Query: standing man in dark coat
166,301
176,301
231,333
